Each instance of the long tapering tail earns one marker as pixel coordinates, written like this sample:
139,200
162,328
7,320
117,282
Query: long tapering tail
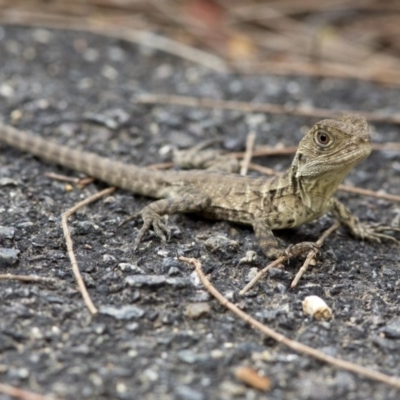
130,177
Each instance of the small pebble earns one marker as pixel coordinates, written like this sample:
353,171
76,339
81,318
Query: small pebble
8,257
197,310
145,280
7,232
124,312
316,307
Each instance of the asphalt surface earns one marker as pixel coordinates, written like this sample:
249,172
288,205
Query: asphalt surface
150,341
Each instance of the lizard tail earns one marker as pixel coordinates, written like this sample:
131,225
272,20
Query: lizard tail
130,177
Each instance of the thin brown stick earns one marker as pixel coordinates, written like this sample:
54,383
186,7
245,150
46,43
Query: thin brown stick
245,107
264,170
167,45
84,182
324,69
262,151
292,344
371,193
80,182
281,259
389,146
268,151
81,284
62,178
251,137
312,253
261,273
26,278
22,394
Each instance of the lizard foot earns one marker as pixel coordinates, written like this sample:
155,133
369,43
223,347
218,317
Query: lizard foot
154,220
299,248
374,232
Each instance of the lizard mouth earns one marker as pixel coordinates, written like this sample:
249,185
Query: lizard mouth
353,155
343,161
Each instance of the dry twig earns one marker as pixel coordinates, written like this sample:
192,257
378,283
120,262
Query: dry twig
22,394
252,378
26,278
261,273
264,170
292,344
80,182
251,137
320,69
283,258
262,151
62,178
246,107
371,193
311,254
81,284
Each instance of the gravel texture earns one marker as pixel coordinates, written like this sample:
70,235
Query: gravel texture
159,335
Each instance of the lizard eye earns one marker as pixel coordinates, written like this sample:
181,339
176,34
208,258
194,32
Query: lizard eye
322,138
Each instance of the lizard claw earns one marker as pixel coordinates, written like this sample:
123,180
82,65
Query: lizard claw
152,219
374,232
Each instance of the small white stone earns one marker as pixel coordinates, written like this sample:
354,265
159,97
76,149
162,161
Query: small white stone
109,72
251,274
316,307
91,55
6,90
23,373
42,36
121,388
42,104
55,330
150,374
132,353
36,333
217,353
195,280
163,253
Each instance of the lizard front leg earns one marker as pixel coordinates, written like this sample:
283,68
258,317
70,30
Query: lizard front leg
152,213
361,230
270,246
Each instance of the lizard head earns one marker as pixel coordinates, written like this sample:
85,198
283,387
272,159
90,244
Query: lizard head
332,147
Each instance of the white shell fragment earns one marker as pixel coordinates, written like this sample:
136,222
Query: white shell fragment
316,307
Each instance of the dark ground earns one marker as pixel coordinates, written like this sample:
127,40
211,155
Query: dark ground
79,89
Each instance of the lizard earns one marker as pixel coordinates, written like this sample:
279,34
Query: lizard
325,155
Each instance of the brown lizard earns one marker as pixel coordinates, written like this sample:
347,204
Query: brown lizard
303,193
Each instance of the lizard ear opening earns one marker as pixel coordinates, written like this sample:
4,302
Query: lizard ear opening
302,159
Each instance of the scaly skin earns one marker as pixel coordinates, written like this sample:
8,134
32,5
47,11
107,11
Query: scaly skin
303,193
